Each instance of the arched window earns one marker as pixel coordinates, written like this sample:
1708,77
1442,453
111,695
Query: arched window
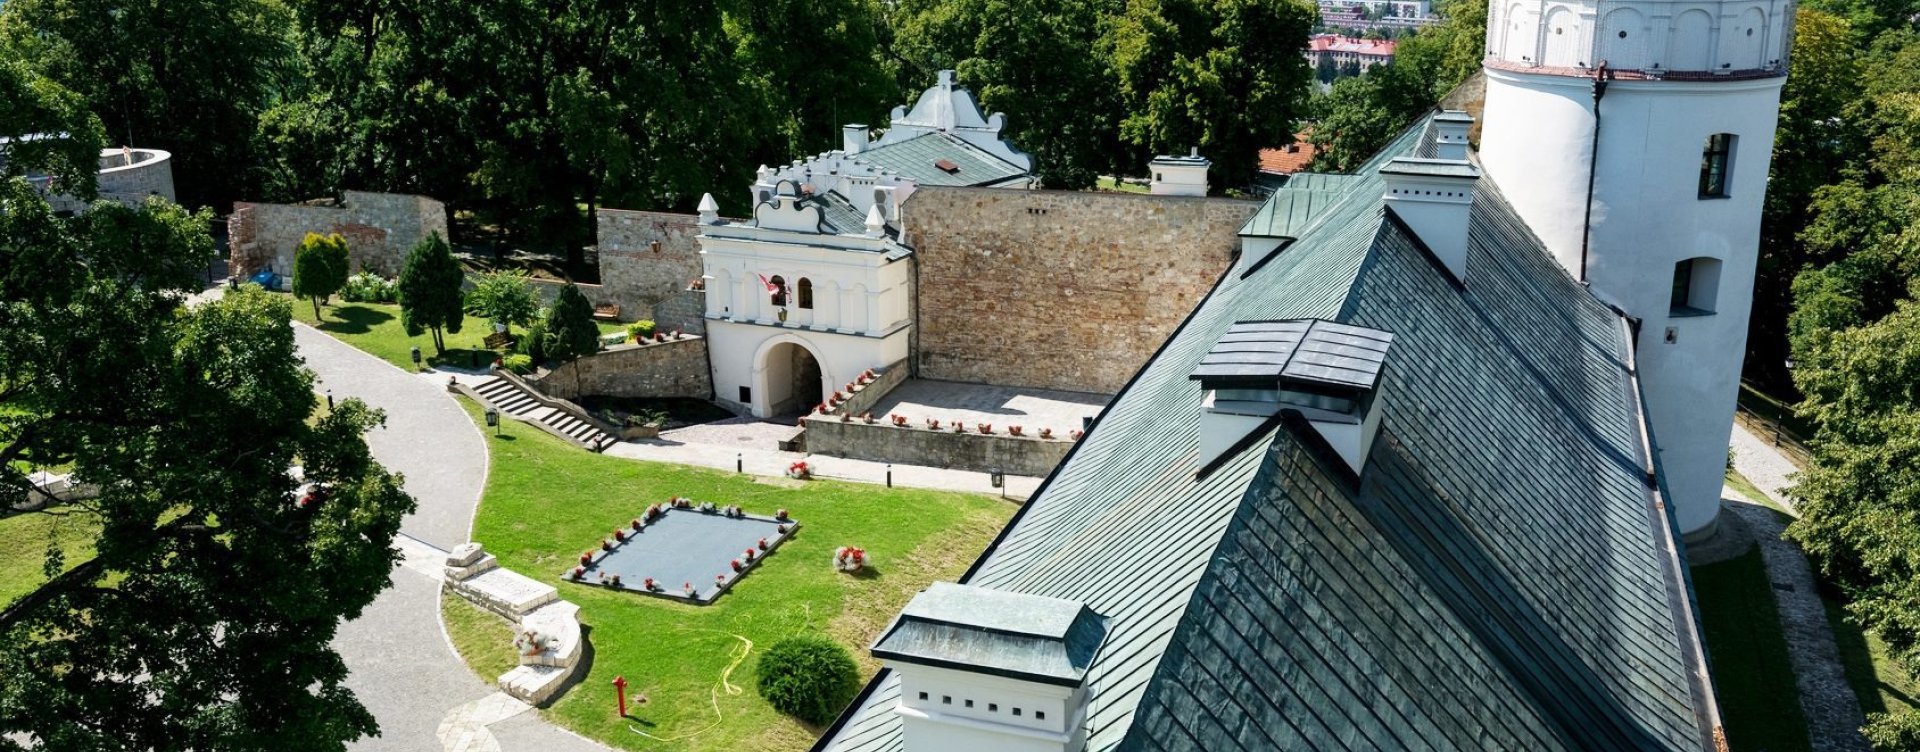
1696,285
1716,166
777,287
806,292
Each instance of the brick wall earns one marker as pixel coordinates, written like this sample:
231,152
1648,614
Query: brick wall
1058,289
380,228
676,368
647,259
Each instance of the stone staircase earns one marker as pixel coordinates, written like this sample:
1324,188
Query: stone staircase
513,401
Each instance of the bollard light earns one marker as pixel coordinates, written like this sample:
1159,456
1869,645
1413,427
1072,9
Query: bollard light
416,357
493,420
329,400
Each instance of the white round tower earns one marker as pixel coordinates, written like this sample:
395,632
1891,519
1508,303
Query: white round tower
1634,138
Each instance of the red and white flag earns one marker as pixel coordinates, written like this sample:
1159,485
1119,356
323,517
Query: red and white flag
771,287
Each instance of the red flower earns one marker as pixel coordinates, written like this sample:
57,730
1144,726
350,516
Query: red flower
736,565
763,544
636,523
579,572
586,558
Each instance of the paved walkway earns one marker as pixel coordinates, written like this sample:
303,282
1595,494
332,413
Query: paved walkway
402,665
1757,460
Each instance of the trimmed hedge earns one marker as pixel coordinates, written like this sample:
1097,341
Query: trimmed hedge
810,678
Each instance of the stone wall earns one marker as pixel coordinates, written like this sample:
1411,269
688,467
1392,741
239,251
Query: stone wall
648,259
884,381
911,445
676,368
1058,289
380,228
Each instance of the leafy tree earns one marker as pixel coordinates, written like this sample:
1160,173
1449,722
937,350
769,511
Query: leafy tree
1212,74
431,297
808,102
204,617
505,298
810,678
1036,60
319,268
36,106
570,331
150,73
1360,115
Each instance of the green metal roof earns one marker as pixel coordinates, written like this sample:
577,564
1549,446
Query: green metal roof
918,159
1493,580
1029,637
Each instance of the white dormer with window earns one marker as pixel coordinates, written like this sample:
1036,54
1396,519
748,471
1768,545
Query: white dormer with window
984,669
1327,371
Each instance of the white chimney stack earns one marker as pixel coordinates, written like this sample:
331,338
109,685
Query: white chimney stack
853,138
1450,135
1179,176
1434,197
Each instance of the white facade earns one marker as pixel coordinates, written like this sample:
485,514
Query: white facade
1651,210
943,710
1179,176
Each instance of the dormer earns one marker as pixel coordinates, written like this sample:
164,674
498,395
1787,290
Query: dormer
1327,371
984,669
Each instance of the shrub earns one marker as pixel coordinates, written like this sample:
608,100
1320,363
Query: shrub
504,298
534,343
517,363
319,268
367,287
641,330
570,329
810,678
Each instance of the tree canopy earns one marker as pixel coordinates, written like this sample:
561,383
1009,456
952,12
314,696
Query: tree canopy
319,268
431,294
505,298
570,331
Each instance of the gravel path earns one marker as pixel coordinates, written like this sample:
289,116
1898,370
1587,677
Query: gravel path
1758,461
402,666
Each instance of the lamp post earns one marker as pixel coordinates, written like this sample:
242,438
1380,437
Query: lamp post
999,480
416,357
329,400
493,420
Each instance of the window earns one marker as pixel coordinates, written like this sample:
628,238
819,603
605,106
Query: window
923,696
969,703
1696,283
993,707
1039,715
806,292
946,699
778,288
1016,712
1715,162
746,398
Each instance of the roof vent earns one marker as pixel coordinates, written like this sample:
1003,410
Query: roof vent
992,669
1327,371
1434,197
1450,135
947,166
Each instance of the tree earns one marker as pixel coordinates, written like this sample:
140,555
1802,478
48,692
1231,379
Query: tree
431,295
204,616
1225,76
810,678
38,107
319,268
808,102
505,298
1360,115
140,67
570,331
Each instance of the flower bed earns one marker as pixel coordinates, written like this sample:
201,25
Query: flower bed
682,550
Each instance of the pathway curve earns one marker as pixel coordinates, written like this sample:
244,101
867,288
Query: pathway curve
402,666
1758,461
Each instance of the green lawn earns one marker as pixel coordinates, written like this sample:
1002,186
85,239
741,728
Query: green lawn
1109,184
1748,489
546,501
1878,681
375,328
1752,675
25,539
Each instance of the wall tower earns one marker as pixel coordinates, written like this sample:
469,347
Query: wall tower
1634,137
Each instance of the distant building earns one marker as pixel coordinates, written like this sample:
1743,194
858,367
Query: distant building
1366,52
1289,159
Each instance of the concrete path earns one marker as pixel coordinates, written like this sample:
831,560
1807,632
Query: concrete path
1757,460
402,665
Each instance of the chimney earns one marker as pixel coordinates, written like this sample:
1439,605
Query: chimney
1450,135
853,138
1327,371
1179,176
991,669
709,210
1434,197
876,225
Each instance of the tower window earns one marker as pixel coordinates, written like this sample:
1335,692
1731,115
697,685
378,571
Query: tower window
1715,163
805,287
1696,283
777,287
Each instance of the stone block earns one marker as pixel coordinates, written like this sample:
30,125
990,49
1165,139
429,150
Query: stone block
465,554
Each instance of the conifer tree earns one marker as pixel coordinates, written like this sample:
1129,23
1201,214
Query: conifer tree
430,291
570,329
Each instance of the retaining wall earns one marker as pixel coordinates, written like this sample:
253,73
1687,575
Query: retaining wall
675,368
911,445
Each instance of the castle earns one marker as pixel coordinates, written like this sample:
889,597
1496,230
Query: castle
1416,472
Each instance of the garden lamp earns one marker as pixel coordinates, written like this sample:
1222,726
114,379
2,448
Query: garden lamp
416,357
493,420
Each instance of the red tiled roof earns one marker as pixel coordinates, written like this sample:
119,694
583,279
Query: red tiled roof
1288,159
1337,43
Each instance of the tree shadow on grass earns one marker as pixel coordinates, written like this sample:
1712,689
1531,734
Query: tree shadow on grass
463,357
355,320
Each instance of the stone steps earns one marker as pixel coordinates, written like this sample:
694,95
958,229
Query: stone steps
510,399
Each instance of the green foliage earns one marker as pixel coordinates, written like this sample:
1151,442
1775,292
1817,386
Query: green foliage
1360,115
319,268
1211,74
430,291
1893,732
810,678
504,298
37,106
534,343
571,332
198,621
806,102
367,287
517,363
641,330
189,76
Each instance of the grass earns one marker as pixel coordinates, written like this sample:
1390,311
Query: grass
546,501
375,328
1752,674
1748,489
1880,683
25,539
1106,183
483,638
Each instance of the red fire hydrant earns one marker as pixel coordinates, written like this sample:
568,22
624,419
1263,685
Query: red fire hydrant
620,686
